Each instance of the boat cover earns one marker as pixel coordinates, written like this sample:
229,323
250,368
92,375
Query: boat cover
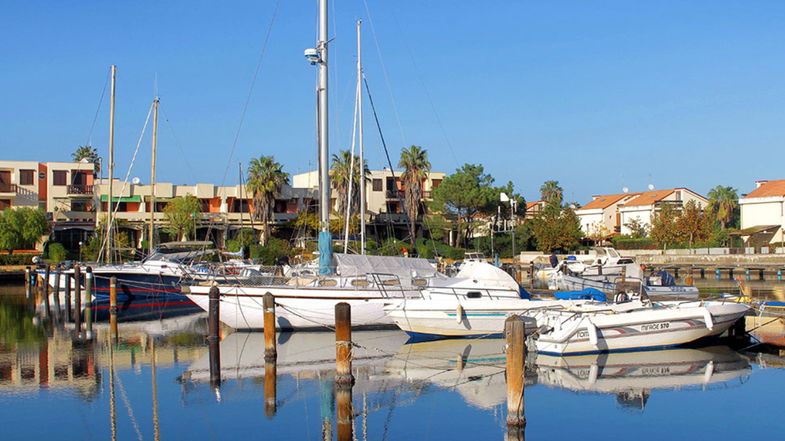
487,273
403,267
584,294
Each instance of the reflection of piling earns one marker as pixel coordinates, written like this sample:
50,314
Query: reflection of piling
344,412
343,344
270,387
28,283
212,337
77,312
67,298
268,303
45,287
514,331
56,293
88,308
113,306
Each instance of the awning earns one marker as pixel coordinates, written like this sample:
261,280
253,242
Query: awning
756,229
136,198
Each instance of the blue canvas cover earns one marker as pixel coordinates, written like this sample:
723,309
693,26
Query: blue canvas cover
584,294
325,252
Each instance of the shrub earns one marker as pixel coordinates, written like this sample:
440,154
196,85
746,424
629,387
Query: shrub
55,252
16,259
629,243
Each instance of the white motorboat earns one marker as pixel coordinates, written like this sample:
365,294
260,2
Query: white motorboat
658,286
601,327
604,261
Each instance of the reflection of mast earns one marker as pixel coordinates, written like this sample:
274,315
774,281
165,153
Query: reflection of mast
112,410
156,430
327,389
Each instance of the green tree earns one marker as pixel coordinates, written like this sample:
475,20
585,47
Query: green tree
557,227
90,154
551,190
638,229
693,225
182,213
340,175
265,179
724,203
663,226
21,228
463,195
415,164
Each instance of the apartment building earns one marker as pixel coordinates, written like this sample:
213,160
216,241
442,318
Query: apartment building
763,213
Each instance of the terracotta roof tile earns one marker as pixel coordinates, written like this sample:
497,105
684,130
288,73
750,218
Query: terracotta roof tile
533,204
649,197
768,189
606,200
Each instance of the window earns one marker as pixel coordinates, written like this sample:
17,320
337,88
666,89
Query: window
26,177
60,177
435,183
377,185
77,205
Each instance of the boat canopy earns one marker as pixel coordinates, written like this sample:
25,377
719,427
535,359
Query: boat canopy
487,273
403,267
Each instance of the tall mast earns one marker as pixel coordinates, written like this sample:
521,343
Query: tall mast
360,130
324,150
151,237
111,168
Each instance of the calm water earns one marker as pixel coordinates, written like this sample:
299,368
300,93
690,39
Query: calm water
154,384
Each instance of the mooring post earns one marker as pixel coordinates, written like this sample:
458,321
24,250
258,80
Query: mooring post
531,273
268,303
113,307
343,344
270,386
88,307
212,337
28,283
67,298
77,312
344,415
515,333
45,287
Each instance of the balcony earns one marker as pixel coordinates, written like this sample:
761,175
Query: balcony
7,188
400,194
80,190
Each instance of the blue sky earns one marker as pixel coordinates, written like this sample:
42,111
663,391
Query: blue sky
597,95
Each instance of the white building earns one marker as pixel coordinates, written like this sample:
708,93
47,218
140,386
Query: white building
763,212
602,213
645,204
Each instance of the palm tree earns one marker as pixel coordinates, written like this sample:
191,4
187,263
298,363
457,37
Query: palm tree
265,179
415,164
90,154
722,202
340,175
551,190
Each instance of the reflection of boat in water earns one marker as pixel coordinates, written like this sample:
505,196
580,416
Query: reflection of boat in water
632,375
474,368
242,353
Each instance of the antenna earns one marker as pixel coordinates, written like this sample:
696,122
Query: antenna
651,186
136,180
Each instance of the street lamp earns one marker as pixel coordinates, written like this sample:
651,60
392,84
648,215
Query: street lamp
513,205
80,250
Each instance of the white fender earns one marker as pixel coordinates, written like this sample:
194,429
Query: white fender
593,339
459,313
708,372
708,318
594,371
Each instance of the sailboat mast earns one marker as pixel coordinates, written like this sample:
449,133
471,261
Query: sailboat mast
360,134
151,237
324,151
111,168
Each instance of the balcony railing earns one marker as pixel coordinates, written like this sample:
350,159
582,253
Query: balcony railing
400,194
80,189
7,188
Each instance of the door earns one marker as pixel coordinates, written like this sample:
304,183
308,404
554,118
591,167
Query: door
5,181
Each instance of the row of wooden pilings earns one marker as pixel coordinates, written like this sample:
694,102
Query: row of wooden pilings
514,331
71,310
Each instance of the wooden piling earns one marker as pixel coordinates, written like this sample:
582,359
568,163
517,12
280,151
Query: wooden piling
67,298
88,309
270,352
344,415
28,283
77,311
45,288
343,344
515,333
213,335
270,387
113,307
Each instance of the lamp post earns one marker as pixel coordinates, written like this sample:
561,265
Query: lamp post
513,205
80,250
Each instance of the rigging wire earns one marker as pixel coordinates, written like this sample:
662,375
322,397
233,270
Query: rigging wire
97,110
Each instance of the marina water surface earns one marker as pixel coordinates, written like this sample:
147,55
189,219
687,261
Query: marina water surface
154,382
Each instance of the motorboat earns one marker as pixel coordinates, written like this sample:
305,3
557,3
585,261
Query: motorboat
603,261
661,284
593,327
